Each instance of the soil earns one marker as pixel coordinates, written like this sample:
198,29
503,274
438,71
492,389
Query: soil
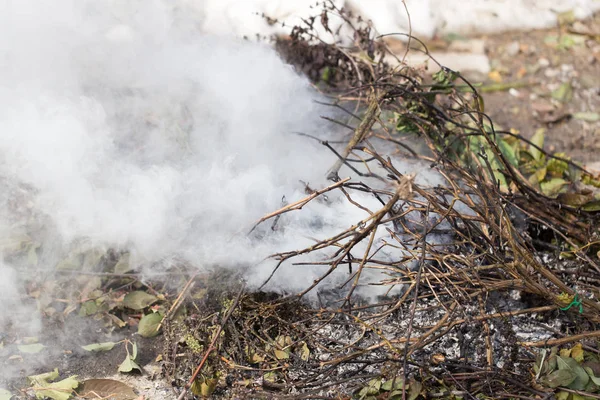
535,57
530,57
63,351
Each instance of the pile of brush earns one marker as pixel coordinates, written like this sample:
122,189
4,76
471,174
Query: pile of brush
492,263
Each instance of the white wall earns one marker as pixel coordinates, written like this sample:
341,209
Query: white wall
428,16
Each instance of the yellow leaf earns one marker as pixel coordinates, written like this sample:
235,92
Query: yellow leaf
495,76
565,352
577,352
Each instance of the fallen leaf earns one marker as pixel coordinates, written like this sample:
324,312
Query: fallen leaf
148,326
106,346
31,348
577,352
129,365
558,378
587,116
564,93
552,187
538,140
106,388
574,199
138,300
495,76
5,394
123,266
60,390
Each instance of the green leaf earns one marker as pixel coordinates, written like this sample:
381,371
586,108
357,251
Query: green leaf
564,93
60,390
592,206
134,351
129,365
397,384
139,300
594,366
581,380
123,266
43,378
509,152
5,394
581,377
372,388
538,176
561,377
31,348
552,187
88,308
414,390
148,326
595,380
587,116
562,395
106,346
387,385
538,140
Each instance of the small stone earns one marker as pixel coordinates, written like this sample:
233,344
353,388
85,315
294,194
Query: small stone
543,62
513,49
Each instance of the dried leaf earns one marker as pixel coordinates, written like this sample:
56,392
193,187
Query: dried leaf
148,326
565,352
106,388
97,347
281,354
304,352
138,300
208,387
574,199
577,352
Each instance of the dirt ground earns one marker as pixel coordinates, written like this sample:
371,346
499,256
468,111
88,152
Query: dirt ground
561,70
555,79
